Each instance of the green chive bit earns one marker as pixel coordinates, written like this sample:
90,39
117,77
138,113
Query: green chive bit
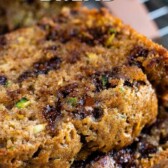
104,80
122,89
8,83
22,103
11,148
72,101
112,33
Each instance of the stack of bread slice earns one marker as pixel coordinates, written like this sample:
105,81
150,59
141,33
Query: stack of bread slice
82,90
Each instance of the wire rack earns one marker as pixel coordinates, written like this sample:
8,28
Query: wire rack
158,11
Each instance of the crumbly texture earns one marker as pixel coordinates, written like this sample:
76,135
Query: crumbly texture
150,149
23,13
74,85
103,34
74,117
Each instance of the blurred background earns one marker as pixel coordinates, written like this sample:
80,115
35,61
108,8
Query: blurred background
156,11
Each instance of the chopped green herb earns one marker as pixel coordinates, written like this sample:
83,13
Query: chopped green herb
104,80
8,83
11,148
72,101
22,103
122,89
112,33
109,40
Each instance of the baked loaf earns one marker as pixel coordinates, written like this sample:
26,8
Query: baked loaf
150,149
112,38
65,92
23,13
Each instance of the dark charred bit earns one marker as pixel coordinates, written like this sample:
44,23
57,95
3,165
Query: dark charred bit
51,114
128,83
106,80
29,1
3,41
145,148
80,114
137,51
73,57
78,164
41,68
36,154
124,158
52,48
25,75
64,91
3,80
61,18
52,35
83,139
139,83
163,139
3,29
101,80
95,35
60,34
97,112
95,156
134,83
74,12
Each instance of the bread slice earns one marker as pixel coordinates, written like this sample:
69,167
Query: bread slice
108,36
61,95
150,149
73,85
23,13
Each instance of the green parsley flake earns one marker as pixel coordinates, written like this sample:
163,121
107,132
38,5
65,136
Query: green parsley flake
104,80
122,89
72,101
22,103
8,83
112,33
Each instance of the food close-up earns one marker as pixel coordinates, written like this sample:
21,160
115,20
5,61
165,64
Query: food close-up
80,88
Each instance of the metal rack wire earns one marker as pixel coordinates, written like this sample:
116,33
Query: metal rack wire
158,11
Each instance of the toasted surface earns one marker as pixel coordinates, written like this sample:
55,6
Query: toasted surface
149,150
65,92
30,11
